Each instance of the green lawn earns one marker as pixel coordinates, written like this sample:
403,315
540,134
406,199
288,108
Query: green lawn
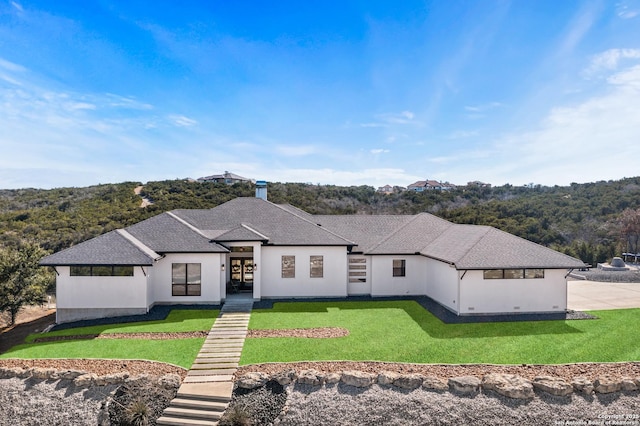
403,331
181,352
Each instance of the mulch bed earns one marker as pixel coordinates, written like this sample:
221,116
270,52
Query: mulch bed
146,336
313,333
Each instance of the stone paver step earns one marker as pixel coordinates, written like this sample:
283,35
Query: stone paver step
220,392
212,372
207,360
209,379
210,366
199,404
192,413
172,421
213,354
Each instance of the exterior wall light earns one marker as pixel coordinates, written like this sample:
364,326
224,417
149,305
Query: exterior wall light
222,267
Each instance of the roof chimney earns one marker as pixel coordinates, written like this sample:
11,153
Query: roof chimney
261,189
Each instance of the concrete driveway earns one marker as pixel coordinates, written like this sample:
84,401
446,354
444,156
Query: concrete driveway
592,295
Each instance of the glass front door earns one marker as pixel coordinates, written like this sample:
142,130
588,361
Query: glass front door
242,273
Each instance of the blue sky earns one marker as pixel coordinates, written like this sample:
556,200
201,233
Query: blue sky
331,92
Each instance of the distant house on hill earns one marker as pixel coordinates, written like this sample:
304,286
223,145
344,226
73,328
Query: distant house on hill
387,189
479,184
429,185
226,177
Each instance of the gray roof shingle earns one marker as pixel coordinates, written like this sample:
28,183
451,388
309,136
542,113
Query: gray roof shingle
280,225
166,234
111,248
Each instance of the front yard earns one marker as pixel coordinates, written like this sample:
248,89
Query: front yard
403,331
393,331
180,352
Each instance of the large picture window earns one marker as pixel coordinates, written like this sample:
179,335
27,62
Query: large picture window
316,266
101,271
512,274
288,266
186,279
399,267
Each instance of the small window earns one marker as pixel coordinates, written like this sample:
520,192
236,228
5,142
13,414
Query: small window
81,271
316,265
288,266
493,274
399,267
186,279
533,273
513,274
123,271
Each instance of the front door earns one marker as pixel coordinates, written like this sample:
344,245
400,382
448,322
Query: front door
242,273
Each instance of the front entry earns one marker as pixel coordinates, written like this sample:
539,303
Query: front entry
242,273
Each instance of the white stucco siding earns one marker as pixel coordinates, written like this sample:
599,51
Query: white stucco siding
210,275
383,283
332,284
442,284
100,292
483,296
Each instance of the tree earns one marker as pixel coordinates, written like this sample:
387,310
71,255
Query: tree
22,280
630,229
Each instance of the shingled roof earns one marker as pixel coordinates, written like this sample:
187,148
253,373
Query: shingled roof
112,248
255,219
279,225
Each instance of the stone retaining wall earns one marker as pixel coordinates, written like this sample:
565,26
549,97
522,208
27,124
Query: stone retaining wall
508,385
82,379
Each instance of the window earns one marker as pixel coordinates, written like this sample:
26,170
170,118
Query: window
288,266
185,279
242,249
534,273
493,274
512,274
101,271
357,270
316,266
399,267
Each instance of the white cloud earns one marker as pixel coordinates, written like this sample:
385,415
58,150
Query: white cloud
181,120
482,107
296,150
625,11
377,151
10,66
609,60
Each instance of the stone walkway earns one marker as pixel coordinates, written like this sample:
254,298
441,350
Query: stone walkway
206,391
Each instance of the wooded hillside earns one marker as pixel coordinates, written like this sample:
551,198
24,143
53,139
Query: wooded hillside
582,219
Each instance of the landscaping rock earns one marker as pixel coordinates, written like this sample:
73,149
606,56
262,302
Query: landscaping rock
252,380
409,381
628,384
435,384
358,379
85,381
311,377
464,384
387,377
582,384
70,374
509,385
606,384
285,377
9,373
169,381
552,385
332,378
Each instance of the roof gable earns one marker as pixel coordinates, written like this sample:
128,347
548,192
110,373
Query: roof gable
167,234
111,248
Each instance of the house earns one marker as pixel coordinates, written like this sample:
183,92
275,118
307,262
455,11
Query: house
226,177
279,251
428,185
387,189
